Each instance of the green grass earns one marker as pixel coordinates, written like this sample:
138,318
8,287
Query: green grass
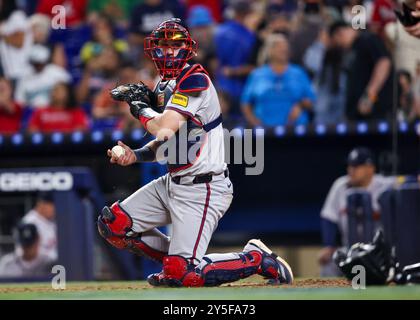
141,290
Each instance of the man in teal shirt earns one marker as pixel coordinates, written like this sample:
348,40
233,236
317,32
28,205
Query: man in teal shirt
277,93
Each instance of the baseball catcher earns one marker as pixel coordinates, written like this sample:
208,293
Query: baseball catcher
183,113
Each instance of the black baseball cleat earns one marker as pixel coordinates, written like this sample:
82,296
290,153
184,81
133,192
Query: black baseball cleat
156,279
273,267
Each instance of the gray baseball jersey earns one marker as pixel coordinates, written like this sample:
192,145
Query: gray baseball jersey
334,208
193,151
13,265
47,231
193,209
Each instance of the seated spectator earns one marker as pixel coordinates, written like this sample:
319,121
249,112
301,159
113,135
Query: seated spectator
100,72
277,93
214,6
103,37
43,217
114,112
314,56
147,16
369,80
407,110
360,176
383,13
306,26
62,114
10,112
235,46
29,261
201,25
119,11
275,22
15,41
325,63
41,30
34,90
405,47
149,74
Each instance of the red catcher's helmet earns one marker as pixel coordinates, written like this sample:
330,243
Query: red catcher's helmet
170,46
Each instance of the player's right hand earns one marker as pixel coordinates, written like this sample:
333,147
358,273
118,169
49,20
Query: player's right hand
125,160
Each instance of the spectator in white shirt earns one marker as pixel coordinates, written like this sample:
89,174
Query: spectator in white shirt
35,88
43,217
41,30
15,41
29,261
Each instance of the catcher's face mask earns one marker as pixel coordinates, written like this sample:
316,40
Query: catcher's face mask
170,47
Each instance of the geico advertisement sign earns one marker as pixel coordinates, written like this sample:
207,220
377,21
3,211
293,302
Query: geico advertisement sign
36,181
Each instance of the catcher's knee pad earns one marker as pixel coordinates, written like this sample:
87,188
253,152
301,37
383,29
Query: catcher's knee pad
178,272
114,224
218,272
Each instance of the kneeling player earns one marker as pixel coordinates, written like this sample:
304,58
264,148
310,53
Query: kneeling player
196,193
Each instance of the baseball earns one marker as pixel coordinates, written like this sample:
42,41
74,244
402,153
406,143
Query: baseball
118,151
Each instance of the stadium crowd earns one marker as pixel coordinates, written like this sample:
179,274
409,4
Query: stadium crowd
274,62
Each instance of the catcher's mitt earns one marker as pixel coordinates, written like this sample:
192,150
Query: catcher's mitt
138,96
134,92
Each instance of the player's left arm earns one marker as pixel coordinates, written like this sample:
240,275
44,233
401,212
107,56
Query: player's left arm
183,104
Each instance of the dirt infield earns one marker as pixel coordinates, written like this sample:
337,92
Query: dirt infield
302,283
106,286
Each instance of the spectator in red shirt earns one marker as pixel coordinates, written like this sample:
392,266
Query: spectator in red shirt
107,112
75,10
10,111
62,115
383,13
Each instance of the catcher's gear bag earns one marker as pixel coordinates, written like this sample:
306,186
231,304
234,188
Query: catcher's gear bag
138,96
405,16
375,257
